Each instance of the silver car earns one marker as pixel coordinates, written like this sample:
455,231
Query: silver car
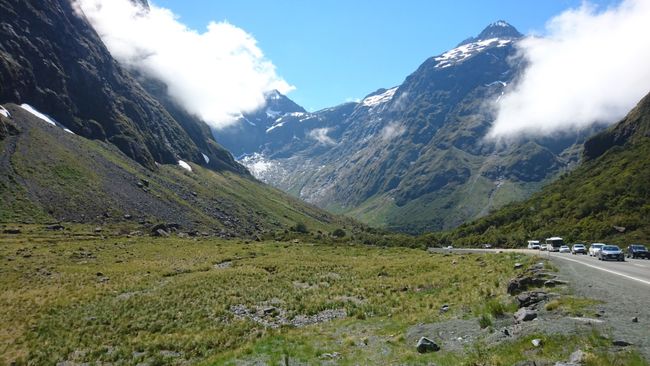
611,252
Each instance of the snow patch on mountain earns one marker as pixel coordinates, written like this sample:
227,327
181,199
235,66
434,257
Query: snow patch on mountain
271,113
4,112
377,99
463,52
276,125
185,165
263,168
500,23
43,117
206,158
38,114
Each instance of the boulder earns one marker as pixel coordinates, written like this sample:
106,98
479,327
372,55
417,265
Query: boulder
425,345
167,227
519,284
160,233
55,227
518,265
526,299
525,315
577,357
536,342
621,343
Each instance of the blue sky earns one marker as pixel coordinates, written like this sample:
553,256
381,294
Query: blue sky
337,50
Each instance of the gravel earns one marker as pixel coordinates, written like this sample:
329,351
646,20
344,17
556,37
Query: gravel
623,298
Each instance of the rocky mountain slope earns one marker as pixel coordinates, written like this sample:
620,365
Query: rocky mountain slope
50,174
413,157
606,198
84,140
51,58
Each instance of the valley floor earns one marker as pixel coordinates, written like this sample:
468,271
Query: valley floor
83,297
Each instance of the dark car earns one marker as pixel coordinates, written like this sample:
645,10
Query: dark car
611,252
637,251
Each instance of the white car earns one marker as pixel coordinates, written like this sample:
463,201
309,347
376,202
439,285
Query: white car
594,248
533,244
565,249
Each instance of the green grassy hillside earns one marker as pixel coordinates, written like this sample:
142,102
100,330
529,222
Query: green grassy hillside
606,198
51,175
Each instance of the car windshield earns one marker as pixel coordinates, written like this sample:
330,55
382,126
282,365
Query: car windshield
597,245
610,248
639,247
578,246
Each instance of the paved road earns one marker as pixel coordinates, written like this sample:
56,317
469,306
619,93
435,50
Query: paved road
623,288
637,270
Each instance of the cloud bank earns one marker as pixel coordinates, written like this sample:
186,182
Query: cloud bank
215,75
391,131
320,135
591,67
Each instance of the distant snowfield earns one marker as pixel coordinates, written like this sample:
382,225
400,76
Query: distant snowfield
461,53
185,165
206,158
378,99
43,117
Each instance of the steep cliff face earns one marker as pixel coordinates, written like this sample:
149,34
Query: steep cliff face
633,127
51,58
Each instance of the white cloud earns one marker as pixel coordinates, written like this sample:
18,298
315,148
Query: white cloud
391,131
591,67
320,135
216,74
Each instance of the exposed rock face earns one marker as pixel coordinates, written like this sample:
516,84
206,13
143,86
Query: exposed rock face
7,128
633,127
51,58
531,298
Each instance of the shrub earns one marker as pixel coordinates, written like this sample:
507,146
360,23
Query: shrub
300,227
338,233
485,321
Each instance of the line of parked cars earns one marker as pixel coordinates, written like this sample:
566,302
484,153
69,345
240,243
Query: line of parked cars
601,251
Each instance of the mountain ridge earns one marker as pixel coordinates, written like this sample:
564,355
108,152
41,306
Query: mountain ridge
70,75
413,157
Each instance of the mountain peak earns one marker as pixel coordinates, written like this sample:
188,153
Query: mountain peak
498,29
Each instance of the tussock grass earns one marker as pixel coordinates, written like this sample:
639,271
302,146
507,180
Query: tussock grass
571,305
163,301
166,295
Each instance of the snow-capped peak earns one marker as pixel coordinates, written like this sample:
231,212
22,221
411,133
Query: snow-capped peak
500,23
377,99
463,52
